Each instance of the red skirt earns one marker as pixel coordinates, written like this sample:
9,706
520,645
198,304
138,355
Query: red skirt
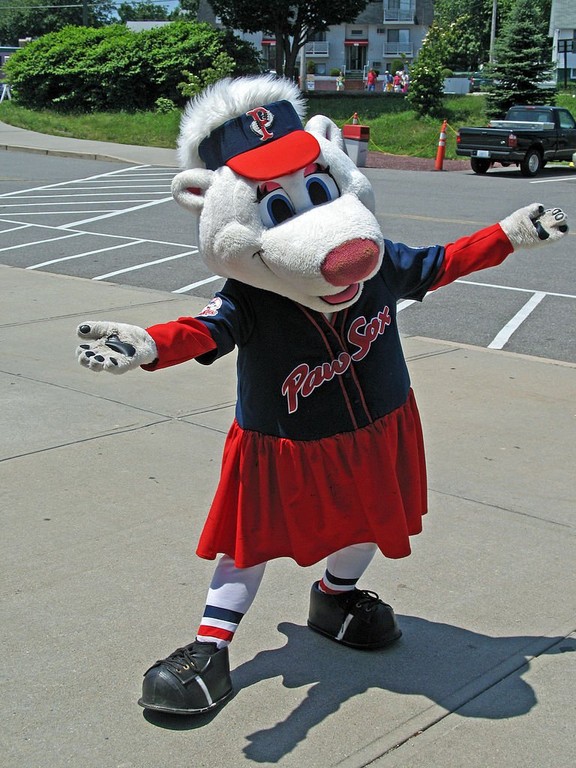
308,499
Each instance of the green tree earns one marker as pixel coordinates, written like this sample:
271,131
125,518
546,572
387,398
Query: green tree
144,11
190,7
466,24
292,22
425,94
33,18
85,69
463,49
522,61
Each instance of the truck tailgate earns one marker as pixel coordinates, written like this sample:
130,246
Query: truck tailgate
483,138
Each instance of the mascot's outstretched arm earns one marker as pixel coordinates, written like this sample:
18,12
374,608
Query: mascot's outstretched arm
527,227
119,347
114,347
534,224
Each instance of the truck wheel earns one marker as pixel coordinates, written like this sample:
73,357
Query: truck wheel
479,165
532,163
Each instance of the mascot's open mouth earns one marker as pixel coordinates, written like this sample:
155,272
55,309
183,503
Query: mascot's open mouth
346,295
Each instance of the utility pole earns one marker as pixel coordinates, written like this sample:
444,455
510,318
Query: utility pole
84,13
303,68
303,72
493,30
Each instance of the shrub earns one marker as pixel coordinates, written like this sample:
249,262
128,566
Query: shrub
112,68
426,76
164,106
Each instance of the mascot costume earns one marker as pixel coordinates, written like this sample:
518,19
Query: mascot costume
325,456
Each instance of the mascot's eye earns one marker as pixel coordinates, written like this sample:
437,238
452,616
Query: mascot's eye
321,186
275,205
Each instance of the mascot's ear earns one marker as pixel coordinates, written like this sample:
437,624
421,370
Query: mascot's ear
189,188
324,127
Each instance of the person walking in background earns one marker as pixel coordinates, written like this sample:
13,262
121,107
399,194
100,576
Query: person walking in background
405,81
371,81
340,82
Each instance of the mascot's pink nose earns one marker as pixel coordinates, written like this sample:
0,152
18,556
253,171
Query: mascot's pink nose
350,262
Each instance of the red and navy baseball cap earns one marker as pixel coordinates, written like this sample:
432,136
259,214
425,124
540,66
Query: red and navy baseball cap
262,144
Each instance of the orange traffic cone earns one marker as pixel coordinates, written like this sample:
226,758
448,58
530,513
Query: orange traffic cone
438,165
355,120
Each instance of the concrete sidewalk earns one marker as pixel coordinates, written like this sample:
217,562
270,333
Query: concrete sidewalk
20,140
105,484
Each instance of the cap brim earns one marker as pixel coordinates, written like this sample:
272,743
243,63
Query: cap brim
277,158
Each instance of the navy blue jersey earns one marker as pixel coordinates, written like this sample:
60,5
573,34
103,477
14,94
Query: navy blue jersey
305,378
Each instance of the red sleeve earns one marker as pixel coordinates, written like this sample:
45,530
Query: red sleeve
485,248
178,341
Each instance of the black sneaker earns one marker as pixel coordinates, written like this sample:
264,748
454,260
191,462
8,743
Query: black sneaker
191,680
357,618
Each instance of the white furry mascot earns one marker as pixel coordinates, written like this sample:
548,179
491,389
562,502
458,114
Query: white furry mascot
325,456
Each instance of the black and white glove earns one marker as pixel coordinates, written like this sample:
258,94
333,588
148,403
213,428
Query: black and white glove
535,225
114,347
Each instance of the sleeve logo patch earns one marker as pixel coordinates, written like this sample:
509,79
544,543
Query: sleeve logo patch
212,308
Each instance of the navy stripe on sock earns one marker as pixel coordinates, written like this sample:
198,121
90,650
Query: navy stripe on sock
340,582
224,614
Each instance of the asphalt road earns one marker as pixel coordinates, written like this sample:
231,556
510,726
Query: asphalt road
116,222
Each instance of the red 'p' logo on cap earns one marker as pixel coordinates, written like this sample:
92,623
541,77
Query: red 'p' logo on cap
262,119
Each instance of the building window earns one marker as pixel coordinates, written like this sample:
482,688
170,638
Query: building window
398,35
269,56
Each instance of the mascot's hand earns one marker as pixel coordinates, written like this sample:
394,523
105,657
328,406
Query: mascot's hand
114,347
535,225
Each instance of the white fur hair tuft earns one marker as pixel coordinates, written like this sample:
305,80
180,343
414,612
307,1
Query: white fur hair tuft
226,99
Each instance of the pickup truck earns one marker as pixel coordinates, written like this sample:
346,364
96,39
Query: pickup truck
529,137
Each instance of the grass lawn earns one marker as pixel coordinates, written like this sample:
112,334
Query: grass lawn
393,128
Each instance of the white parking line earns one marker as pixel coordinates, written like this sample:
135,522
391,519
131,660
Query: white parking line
65,183
195,285
60,213
520,290
20,206
58,196
547,181
501,338
86,232
118,213
144,265
14,229
87,253
41,242
125,186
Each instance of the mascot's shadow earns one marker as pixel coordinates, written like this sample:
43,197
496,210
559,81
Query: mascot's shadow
432,659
